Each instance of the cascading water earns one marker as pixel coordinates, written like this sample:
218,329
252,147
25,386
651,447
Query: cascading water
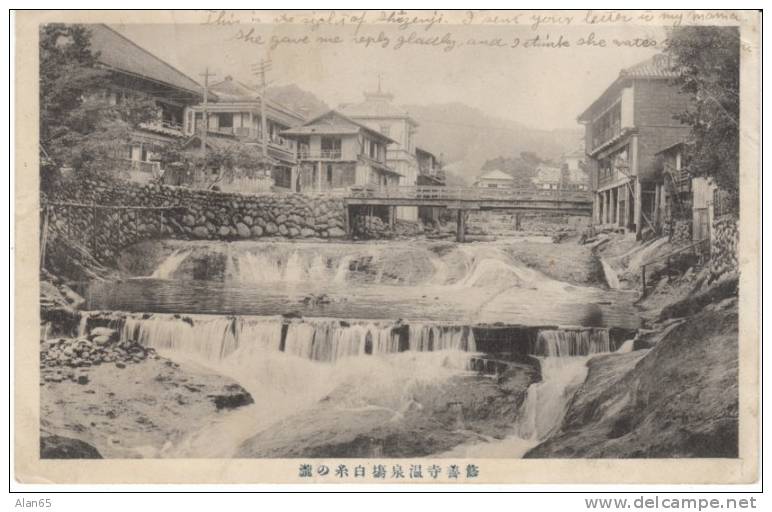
320,358
170,264
563,357
572,342
213,338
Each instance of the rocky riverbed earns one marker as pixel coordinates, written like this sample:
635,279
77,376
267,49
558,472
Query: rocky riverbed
435,418
103,398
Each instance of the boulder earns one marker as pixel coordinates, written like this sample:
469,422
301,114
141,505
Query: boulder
307,233
201,232
283,230
233,396
224,231
336,232
101,340
270,228
60,447
257,230
243,230
96,332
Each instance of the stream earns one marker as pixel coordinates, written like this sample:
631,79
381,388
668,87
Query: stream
355,341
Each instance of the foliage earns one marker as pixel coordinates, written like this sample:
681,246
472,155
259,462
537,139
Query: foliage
236,159
79,128
522,168
708,62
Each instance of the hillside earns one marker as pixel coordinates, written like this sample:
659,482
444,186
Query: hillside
465,136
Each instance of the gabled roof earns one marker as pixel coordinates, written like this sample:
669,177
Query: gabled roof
495,174
119,53
377,105
546,174
233,90
334,123
659,66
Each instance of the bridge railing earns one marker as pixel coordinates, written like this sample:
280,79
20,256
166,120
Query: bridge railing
466,193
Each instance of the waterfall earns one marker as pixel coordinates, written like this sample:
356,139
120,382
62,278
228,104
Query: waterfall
329,340
430,337
572,342
213,338
342,272
612,280
546,401
170,264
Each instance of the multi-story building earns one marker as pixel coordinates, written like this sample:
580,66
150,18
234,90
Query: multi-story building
495,179
234,115
625,127
335,152
379,113
135,71
430,174
547,178
681,196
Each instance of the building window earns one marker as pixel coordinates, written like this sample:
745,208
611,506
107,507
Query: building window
226,120
329,175
331,147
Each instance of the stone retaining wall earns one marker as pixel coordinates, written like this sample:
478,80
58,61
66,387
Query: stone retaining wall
723,247
194,214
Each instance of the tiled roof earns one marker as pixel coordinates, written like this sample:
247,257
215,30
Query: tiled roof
546,174
495,174
119,53
659,66
233,90
375,106
333,122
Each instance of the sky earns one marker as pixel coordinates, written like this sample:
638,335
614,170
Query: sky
545,88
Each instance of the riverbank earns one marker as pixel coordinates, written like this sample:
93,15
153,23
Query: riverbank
676,393
95,402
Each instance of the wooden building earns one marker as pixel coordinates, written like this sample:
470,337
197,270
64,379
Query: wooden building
136,71
335,152
625,128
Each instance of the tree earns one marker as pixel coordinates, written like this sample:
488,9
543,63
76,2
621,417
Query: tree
708,63
79,127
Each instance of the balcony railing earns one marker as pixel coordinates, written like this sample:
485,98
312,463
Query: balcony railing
324,154
606,135
467,193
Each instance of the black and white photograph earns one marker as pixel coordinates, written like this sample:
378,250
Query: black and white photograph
389,246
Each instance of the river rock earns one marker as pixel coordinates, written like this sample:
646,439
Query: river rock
242,230
201,232
336,233
257,230
233,396
224,231
60,447
270,228
307,233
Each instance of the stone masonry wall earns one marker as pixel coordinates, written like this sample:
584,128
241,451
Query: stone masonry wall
723,247
195,214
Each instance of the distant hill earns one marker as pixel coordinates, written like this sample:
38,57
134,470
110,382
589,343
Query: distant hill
465,136
468,138
297,99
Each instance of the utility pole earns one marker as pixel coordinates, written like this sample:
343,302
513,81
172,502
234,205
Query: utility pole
206,74
261,69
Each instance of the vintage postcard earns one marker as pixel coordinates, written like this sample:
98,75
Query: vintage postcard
387,246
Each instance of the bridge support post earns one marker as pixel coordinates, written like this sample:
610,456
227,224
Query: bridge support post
518,220
460,226
392,217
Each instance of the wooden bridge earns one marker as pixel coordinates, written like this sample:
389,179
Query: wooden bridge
465,199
